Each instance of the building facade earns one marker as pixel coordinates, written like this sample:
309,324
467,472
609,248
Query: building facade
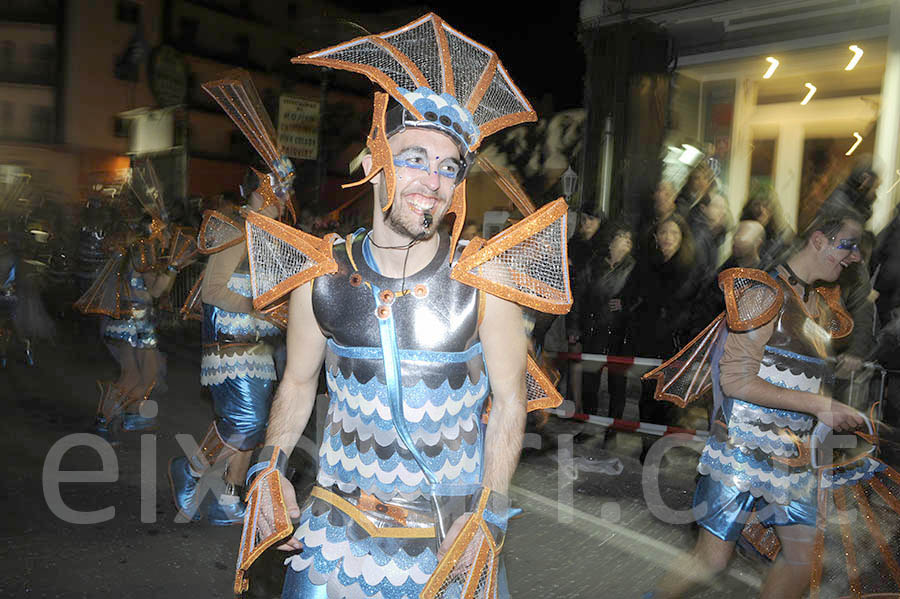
708,84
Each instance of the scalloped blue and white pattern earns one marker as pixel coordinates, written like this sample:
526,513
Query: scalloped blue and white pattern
734,468
215,369
357,568
774,442
751,413
239,323
426,100
788,380
445,425
139,333
864,470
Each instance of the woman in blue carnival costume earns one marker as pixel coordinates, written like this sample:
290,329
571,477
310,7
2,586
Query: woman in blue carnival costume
133,339
239,370
770,372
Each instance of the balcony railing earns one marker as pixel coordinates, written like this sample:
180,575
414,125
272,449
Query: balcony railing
30,11
44,74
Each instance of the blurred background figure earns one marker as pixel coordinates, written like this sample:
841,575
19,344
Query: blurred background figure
601,320
746,245
657,299
709,223
886,280
585,249
762,206
23,318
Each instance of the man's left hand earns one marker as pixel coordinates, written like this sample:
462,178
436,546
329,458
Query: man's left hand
454,531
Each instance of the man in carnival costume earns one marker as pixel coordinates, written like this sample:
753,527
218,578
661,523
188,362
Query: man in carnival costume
237,365
410,496
770,366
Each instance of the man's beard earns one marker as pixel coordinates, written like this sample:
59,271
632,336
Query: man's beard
406,223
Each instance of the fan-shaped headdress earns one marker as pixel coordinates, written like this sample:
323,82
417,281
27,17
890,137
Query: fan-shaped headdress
442,79
235,92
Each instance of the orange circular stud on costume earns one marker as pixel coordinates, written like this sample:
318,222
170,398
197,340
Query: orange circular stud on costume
386,296
383,312
355,279
420,291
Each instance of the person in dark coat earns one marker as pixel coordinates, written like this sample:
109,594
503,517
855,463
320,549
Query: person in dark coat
601,319
657,302
886,263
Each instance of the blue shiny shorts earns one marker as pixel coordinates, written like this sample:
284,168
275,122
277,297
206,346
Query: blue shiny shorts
242,410
727,508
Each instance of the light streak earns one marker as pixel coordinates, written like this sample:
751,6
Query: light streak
773,64
891,188
857,54
858,141
809,95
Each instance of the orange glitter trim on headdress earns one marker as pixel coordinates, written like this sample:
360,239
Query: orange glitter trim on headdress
382,157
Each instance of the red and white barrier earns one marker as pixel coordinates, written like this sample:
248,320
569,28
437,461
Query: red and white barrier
605,359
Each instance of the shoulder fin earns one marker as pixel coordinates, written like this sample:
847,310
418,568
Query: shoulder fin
841,321
218,232
525,263
752,298
540,387
282,258
183,247
191,309
105,294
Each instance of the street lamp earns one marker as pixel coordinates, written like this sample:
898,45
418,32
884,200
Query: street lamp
569,179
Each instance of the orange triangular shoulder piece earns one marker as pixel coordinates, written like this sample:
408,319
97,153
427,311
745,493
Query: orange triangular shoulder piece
282,258
685,377
540,389
182,248
218,232
525,263
191,309
752,297
841,321
145,253
105,294
277,313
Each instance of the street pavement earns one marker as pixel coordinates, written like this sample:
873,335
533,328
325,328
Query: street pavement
586,530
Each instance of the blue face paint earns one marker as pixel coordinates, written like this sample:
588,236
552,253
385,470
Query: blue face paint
417,158
847,244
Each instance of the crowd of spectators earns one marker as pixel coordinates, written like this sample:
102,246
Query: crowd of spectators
647,291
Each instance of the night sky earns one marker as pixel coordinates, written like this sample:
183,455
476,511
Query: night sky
538,46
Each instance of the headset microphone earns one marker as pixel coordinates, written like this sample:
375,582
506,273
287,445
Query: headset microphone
427,219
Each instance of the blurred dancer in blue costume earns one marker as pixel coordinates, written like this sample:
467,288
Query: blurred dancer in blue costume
22,313
769,377
410,352
133,341
124,292
239,370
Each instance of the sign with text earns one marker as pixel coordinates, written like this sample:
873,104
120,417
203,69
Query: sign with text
298,127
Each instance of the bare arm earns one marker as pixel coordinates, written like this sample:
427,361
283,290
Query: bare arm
296,394
214,288
739,368
502,334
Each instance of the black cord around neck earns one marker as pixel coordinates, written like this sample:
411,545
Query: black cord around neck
793,279
406,247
